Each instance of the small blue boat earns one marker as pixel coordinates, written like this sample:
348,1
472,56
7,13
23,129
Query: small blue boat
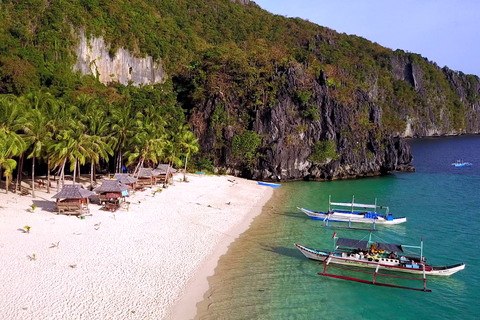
459,164
269,184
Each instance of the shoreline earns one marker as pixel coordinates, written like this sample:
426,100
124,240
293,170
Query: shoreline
186,307
143,263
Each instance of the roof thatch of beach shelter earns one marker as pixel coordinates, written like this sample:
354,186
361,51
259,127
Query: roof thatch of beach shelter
113,186
73,192
145,173
125,178
162,168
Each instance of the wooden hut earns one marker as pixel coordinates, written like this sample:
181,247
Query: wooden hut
145,177
126,178
111,192
73,199
160,173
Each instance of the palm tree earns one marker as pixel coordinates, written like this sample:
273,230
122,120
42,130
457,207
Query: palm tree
148,143
37,136
188,144
10,145
100,138
124,127
11,117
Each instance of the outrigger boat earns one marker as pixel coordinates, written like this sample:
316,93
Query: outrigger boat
378,255
354,214
460,163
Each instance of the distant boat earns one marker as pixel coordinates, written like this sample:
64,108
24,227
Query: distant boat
461,163
269,184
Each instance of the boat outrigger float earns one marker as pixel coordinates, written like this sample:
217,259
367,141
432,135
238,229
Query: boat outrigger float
377,255
355,214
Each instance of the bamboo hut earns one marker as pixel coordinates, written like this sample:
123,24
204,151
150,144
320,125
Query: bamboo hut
73,199
160,173
145,177
126,178
111,192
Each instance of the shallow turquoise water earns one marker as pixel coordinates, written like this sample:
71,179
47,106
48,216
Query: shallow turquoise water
263,276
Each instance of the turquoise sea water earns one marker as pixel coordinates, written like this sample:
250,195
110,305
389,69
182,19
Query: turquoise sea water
263,276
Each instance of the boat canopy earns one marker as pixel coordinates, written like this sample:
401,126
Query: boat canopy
389,247
353,204
352,243
362,244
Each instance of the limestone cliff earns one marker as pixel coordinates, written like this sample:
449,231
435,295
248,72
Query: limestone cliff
93,57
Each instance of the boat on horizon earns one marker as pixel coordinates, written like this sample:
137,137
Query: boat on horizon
461,163
378,255
354,214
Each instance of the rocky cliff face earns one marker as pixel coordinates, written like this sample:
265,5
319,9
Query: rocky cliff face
93,58
363,148
434,118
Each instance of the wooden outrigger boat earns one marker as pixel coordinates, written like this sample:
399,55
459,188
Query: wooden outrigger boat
354,214
377,255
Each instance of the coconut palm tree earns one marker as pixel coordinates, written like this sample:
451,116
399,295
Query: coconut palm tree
11,117
124,127
188,144
148,143
10,145
100,138
37,135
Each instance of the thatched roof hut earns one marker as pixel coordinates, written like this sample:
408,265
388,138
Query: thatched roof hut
125,178
73,192
164,167
112,186
145,173
145,177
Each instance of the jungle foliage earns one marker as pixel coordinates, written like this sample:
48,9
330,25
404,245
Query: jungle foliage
208,48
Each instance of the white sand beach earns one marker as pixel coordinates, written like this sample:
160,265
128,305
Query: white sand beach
148,262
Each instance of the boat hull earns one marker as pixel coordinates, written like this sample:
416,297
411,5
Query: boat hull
387,264
269,184
350,217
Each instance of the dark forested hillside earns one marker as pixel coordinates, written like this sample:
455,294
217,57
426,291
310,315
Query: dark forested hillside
267,96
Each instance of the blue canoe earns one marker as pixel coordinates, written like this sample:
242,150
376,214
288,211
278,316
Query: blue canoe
268,184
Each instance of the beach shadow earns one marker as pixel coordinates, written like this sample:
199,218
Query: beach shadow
284,251
45,205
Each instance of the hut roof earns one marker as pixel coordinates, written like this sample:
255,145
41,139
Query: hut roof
162,168
112,186
125,178
145,173
73,192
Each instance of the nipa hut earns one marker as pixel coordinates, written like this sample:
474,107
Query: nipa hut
112,191
126,178
160,173
73,199
145,177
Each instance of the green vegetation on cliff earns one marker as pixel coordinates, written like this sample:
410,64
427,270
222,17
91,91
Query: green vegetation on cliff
236,58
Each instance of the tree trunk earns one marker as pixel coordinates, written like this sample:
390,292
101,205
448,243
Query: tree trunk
6,182
138,167
19,174
48,176
74,171
185,171
91,174
62,173
33,176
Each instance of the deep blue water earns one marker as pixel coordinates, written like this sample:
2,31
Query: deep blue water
263,276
